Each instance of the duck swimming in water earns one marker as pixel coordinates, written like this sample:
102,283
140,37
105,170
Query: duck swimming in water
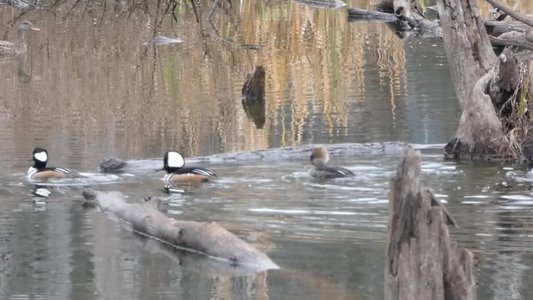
319,159
39,171
10,49
174,164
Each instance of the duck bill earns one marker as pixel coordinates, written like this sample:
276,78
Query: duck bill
35,29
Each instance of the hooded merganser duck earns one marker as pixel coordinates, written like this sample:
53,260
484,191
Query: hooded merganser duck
321,169
174,164
39,171
10,49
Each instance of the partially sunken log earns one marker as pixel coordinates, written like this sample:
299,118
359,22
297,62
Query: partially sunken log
355,14
209,239
253,96
254,85
422,262
406,17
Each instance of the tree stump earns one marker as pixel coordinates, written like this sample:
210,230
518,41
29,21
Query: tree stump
253,96
422,262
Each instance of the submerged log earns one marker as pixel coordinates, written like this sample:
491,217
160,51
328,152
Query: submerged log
330,4
149,165
209,239
422,262
254,85
355,14
253,96
407,16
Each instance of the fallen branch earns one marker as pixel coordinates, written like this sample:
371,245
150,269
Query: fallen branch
209,239
370,15
514,14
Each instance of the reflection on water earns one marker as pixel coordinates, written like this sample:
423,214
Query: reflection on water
99,88
94,86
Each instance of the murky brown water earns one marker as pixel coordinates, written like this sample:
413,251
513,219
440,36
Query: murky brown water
93,87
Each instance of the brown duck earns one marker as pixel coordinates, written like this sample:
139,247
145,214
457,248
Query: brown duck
322,170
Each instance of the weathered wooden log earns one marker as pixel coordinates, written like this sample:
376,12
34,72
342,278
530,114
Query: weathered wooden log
513,38
209,239
471,61
355,14
422,262
331,4
409,17
401,12
516,15
497,28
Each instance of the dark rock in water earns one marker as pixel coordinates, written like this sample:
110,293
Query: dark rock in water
134,166
112,165
253,96
254,86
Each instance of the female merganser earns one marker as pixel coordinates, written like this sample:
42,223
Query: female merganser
39,171
319,160
174,164
9,49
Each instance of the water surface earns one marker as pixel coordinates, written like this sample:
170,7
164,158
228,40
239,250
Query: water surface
94,86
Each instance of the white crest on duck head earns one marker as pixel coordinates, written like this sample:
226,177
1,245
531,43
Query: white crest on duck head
40,156
175,160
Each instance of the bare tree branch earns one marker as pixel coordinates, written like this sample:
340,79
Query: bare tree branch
516,15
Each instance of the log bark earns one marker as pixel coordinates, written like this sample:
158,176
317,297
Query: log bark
496,118
422,262
516,15
209,239
355,14
472,65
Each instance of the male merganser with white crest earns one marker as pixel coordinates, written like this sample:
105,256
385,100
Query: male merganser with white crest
39,171
174,164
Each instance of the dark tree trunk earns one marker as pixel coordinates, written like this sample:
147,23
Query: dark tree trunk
422,262
253,96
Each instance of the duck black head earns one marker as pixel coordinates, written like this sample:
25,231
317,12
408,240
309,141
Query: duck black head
40,158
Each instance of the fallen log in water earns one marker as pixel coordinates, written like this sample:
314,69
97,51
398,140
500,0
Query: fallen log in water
209,239
370,15
422,262
150,165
